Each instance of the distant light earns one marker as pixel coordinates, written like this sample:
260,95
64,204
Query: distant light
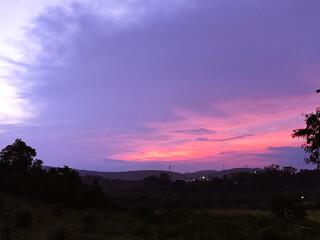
255,171
302,197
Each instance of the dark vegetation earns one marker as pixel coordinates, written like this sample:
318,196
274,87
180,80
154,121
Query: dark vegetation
57,204
20,174
132,175
312,135
239,190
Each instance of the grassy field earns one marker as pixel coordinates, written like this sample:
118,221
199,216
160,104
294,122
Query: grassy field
23,218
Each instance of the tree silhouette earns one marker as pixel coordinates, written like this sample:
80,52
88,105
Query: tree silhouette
164,177
18,157
312,135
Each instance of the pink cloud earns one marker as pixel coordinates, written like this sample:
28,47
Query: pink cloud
244,125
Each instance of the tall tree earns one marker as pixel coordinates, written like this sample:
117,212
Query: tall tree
312,135
18,156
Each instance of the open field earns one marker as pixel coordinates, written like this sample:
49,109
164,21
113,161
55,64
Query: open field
24,218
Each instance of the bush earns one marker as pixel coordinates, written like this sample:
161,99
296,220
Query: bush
299,211
57,212
23,218
143,210
285,208
272,234
88,223
5,233
280,207
59,234
1,207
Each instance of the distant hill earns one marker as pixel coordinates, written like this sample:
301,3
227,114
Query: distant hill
140,175
214,173
133,175
199,174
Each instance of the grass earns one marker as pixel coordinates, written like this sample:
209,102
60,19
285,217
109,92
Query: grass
255,212
54,222
314,215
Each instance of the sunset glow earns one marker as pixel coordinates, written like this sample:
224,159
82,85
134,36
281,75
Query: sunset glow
122,85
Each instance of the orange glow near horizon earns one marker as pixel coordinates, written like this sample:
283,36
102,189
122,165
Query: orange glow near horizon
198,150
163,154
246,129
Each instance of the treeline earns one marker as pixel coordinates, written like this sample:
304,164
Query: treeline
21,174
238,190
61,185
157,208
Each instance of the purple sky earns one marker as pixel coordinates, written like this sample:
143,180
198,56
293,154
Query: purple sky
124,85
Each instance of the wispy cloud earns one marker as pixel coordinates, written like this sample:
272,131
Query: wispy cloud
198,131
223,139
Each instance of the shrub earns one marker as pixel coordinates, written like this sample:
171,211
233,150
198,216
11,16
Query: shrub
299,211
57,212
23,218
5,233
285,208
143,210
1,207
59,234
272,234
88,223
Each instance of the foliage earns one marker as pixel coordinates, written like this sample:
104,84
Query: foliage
144,220
18,157
23,217
57,212
89,222
272,168
59,234
286,208
20,173
312,135
5,233
270,233
157,208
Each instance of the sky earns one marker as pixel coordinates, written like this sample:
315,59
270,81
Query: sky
119,85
